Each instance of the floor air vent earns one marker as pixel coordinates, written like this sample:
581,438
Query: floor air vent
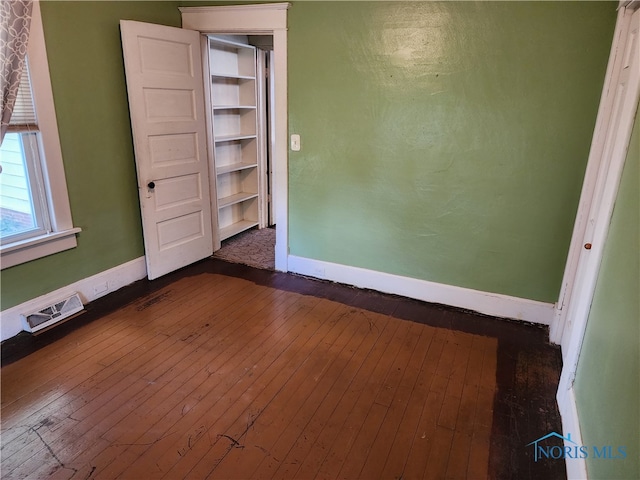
51,314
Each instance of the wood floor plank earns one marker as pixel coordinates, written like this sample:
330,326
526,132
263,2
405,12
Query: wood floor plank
127,364
13,456
478,466
285,404
397,457
219,405
459,456
209,375
473,375
342,449
84,340
426,429
274,422
393,396
70,370
468,409
317,385
148,355
332,429
359,452
397,411
101,414
72,421
198,359
345,371
439,452
230,431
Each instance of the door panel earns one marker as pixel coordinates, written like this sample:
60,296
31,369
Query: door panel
167,107
173,149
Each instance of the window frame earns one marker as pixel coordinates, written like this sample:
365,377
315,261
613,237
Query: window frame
63,234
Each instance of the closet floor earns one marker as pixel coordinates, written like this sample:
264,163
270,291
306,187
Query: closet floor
255,248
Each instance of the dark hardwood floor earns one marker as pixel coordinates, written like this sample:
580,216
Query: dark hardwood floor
226,371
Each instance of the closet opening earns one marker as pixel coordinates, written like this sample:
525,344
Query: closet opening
242,100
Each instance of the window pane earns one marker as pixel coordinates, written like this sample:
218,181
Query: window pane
19,213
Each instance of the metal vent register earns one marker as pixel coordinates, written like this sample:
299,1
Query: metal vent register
51,314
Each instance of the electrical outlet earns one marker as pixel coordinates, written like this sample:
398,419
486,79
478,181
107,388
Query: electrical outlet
100,289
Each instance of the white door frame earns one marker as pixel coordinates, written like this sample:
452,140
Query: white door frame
604,169
609,147
263,19
598,167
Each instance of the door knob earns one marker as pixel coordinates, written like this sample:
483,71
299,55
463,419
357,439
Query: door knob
151,185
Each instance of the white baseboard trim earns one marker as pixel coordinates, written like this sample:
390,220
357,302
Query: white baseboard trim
483,302
89,288
494,304
576,467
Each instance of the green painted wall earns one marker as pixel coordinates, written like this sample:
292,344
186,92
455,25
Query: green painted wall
607,382
87,75
444,141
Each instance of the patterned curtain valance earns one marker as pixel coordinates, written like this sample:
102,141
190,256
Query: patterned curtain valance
15,19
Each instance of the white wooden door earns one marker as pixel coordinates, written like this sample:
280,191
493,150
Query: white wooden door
163,67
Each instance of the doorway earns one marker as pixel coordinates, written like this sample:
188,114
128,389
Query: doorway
242,146
169,118
264,20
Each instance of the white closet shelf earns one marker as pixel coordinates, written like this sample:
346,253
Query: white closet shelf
231,43
235,198
238,136
234,107
235,228
232,75
235,167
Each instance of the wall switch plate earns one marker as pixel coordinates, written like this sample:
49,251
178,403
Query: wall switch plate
295,142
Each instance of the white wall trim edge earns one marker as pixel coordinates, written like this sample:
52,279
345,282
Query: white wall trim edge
576,467
89,288
483,302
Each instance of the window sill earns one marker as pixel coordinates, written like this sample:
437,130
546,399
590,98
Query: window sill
26,250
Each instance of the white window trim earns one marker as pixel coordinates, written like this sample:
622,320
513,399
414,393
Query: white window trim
63,235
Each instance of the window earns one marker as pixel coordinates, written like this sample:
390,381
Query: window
35,216
23,209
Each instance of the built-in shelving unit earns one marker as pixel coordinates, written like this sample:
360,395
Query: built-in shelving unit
234,104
